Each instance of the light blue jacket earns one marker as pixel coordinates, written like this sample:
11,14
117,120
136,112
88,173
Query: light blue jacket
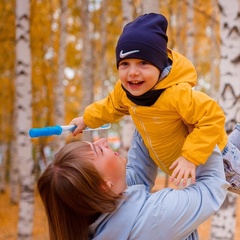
167,214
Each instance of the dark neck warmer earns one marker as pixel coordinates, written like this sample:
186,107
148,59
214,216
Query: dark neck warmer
146,99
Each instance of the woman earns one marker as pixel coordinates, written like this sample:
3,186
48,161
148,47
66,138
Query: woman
91,192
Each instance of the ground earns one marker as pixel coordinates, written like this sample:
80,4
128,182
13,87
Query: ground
9,219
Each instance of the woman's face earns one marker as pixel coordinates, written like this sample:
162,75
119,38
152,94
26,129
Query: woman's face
111,165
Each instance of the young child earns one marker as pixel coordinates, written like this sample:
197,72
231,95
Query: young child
156,89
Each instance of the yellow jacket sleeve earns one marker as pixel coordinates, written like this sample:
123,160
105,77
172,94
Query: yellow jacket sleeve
108,110
208,118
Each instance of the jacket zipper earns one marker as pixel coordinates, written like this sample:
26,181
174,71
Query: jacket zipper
158,162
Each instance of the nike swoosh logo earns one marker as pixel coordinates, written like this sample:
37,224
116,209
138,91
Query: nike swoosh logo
123,55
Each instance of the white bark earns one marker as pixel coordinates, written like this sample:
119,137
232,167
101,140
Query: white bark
214,53
3,158
180,26
224,222
230,61
24,120
87,64
190,31
127,11
14,174
150,6
103,64
59,89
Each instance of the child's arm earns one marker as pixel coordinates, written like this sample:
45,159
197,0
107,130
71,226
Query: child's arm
183,169
205,115
108,110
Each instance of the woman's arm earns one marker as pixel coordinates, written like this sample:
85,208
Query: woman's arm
140,168
176,214
195,204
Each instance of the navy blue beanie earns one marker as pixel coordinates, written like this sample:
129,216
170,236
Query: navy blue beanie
144,38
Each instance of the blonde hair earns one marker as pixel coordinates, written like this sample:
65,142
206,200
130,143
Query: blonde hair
72,192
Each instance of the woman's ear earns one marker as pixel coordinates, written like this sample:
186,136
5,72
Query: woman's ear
108,185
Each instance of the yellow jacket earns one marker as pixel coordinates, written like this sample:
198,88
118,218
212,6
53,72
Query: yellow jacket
161,125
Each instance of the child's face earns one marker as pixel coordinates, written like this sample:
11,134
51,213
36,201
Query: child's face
137,76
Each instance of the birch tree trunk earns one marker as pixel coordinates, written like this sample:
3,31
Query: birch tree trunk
224,222
180,25
127,11
59,89
103,58
3,157
126,123
230,61
14,174
87,66
150,6
24,120
190,31
215,52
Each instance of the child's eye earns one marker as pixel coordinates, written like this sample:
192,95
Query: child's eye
123,63
144,63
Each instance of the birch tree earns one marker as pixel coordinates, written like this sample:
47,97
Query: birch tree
14,176
126,123
23,120
190,31
59,88
87,67
7,76
3,157
180,25
103,32
230,61
214,54
224,221
87,56
127,11
150,6
103,56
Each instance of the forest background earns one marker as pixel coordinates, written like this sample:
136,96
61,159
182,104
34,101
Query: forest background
58,56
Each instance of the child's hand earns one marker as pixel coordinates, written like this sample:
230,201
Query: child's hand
183,169
80,125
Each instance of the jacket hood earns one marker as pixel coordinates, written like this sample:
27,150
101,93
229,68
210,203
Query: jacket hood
182,71
122,218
